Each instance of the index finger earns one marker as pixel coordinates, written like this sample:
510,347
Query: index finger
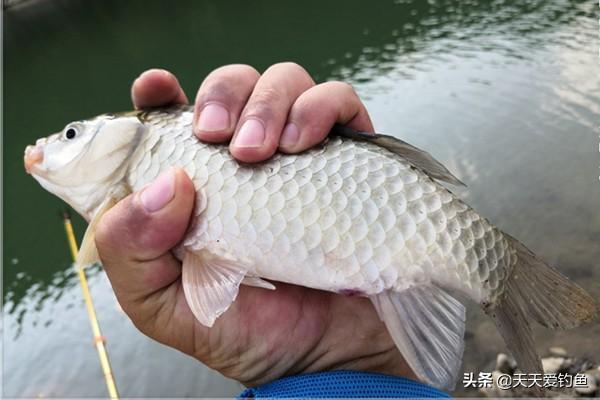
156,87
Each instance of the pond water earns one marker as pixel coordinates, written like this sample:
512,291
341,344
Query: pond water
505,93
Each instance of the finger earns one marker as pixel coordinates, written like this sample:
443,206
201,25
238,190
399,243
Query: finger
316,111
156,87
220,100
258,131
134,238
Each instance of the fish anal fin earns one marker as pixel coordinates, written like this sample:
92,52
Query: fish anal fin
513,325
417,157
258,282
210,284
427,325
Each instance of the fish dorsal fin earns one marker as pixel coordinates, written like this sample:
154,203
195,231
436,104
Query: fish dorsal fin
417,157
428,326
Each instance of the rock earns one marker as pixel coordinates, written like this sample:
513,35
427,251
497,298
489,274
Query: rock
589,389
594,373
552,365
556,364
505,364
558,351
575,365
570,366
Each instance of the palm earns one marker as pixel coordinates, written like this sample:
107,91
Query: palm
267,334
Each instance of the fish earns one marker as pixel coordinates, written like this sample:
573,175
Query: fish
362,214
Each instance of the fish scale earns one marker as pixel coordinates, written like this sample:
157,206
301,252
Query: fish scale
372,178
360,214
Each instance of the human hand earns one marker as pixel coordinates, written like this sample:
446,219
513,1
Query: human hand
265,334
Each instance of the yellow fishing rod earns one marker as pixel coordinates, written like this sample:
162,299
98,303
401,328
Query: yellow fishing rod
89,304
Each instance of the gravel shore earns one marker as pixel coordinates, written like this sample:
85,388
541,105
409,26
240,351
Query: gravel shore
564,376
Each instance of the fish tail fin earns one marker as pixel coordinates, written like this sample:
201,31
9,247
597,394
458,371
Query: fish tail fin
537,291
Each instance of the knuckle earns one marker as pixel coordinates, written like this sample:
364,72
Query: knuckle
216,89
344,88
264,102
295,75
234,71
114,232
228,83
306,111
288,67
267,96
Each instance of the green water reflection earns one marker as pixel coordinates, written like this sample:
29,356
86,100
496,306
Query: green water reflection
506,93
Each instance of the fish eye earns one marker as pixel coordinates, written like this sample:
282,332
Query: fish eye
71,133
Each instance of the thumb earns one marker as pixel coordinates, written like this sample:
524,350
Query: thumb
135,237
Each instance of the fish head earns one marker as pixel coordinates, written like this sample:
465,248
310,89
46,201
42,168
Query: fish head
82,163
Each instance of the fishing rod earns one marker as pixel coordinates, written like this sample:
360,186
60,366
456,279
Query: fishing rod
99,340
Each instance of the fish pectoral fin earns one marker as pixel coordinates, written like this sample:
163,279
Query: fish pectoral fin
427,325
88,253
258,282
210,284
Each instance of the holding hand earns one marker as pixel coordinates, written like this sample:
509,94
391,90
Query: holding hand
265,334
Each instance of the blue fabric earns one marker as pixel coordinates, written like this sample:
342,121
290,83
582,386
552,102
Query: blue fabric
343,384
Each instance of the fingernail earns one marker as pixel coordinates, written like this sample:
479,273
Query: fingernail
159,193
290,135
251,134
213,118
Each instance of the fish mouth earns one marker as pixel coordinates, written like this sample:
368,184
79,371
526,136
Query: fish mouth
33,158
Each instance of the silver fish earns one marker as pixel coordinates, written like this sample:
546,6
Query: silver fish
360,213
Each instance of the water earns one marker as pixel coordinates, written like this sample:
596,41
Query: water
506,94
